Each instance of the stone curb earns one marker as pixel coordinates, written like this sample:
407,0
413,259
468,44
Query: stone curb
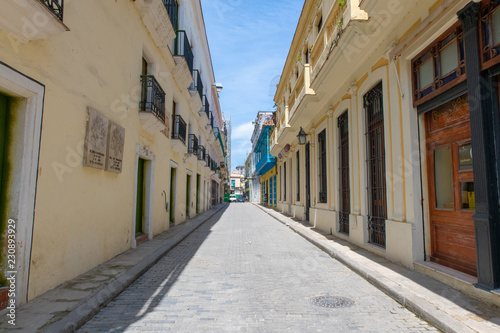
413,302
89,307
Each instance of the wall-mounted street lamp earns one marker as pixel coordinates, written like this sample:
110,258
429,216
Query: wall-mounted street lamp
302,137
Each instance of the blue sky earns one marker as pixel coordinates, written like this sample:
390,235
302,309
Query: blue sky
249,42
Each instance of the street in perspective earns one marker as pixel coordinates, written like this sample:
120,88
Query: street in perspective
243,271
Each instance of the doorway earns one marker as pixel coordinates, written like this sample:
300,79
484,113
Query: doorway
141,198
4,120
188,194
173,172
198,193
451,186
308,179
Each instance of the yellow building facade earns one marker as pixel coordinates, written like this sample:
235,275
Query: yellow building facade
360,88
105,118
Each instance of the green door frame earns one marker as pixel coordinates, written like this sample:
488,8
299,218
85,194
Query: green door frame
4,107
188,194
198,180
172,196
141,198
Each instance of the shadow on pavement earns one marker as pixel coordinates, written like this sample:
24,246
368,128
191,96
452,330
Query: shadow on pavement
149,298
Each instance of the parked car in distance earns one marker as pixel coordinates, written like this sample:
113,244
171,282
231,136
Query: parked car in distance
232,198
241,199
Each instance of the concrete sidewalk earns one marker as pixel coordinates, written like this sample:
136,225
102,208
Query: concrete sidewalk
442,306
69,306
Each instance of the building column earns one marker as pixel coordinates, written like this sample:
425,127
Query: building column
487,217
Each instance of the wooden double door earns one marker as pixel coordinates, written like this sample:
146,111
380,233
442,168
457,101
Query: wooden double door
451,186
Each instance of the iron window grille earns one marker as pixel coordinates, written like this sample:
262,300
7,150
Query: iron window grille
197,84
322,167
192,144
376,165
183,49
152,97
284,181
345,206
56,7
179,129
298,176
172,8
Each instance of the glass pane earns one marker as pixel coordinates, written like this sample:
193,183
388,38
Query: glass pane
468,198
426,74
443,177
449,58
465,157
496,26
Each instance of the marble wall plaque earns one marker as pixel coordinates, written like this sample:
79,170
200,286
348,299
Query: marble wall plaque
116,142
96,138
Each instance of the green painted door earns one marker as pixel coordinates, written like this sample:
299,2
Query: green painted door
4,106
188,194
139,212
198,177
172,196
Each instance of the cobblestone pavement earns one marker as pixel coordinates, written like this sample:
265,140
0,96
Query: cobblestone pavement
243,271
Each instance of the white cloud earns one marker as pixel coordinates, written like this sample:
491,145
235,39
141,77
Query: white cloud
242,132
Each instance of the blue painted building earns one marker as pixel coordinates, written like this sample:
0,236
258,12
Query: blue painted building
265,166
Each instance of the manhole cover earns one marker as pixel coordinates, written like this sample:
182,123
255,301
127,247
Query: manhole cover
331,301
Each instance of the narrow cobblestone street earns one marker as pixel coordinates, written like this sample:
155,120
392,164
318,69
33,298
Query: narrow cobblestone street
243,271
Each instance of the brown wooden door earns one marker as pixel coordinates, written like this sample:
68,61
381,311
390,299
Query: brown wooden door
451,186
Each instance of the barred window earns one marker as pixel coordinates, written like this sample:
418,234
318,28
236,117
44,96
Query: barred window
322,172
298,177
284,181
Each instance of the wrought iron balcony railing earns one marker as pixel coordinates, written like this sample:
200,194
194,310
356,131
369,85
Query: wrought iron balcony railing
55,6
179,129
211,119
206,105
183,48
192,144
197,83
172,8
152,97
201,153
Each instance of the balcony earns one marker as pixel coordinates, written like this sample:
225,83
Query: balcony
299,98
192,144
178,141
196,91
172,8
208,161
201,154
152,105
205,109
197,85
179,129
341,15
22,19
210,124
184,59
160,18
